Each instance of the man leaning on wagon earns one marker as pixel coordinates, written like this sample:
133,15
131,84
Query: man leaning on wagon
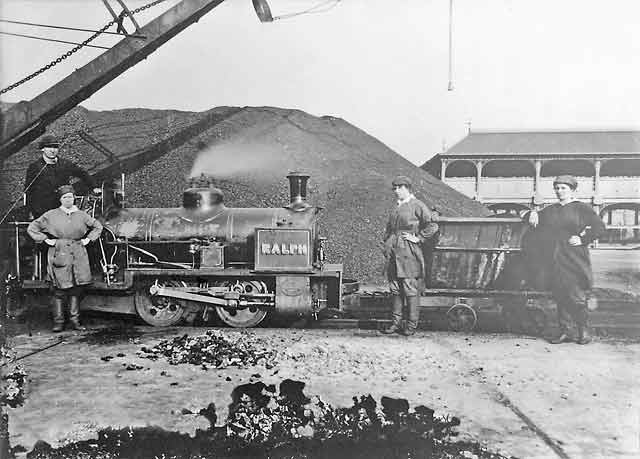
49,172
410,225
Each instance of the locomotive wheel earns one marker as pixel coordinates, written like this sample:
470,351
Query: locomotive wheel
241,318
461,317
159,311
245,317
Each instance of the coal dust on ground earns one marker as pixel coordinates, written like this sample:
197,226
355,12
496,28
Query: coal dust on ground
283,422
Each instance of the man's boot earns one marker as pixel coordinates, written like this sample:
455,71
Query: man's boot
74,313
582,321
584,337
396,317
58,314
414,316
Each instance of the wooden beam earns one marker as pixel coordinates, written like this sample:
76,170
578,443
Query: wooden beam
27,120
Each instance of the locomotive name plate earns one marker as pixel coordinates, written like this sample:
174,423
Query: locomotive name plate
283,249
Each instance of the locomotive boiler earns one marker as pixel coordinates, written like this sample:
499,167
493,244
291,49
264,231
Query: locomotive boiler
169,264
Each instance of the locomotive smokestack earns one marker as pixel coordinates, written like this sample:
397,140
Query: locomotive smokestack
298,190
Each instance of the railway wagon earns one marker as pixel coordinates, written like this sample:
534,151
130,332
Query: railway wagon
474,264
479,263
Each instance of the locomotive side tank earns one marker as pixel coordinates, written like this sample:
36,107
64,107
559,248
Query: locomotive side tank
198,222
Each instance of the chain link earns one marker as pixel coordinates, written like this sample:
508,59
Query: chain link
78,47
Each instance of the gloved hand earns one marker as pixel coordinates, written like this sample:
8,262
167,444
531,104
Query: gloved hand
410,237
575,240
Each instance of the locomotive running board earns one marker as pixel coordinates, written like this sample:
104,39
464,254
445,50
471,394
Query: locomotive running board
156,290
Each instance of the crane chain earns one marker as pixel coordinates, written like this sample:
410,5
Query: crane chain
78,47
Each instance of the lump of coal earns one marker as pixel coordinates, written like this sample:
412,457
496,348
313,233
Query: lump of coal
394,408
291,392
12,387
132,367
210,414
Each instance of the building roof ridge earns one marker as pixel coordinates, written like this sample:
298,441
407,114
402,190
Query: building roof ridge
553,131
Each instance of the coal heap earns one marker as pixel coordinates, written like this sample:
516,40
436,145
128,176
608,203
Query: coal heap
249,152
265,422
12,379
212,349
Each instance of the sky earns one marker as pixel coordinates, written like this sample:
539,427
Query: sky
380,65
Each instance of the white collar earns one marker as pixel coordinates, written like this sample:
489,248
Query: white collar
49,160
69,211
567,202
404,201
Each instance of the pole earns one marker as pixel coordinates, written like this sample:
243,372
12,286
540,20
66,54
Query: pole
450,86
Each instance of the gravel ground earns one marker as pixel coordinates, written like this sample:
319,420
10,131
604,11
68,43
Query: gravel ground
508,391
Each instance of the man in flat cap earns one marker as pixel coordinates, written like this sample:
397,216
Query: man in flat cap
410,225
49,172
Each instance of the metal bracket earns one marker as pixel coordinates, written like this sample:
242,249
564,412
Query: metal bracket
126,12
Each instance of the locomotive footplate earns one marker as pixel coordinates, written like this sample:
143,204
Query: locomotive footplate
215,295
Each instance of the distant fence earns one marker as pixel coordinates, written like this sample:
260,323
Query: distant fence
622,234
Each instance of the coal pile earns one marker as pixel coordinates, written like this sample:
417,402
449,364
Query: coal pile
212,350
265,422
12,381
249,152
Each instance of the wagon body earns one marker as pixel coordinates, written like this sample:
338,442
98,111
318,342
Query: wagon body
476,264
475,254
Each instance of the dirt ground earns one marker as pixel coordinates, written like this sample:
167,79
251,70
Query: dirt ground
617,269
519,396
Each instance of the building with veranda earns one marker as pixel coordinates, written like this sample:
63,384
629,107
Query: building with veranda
510,171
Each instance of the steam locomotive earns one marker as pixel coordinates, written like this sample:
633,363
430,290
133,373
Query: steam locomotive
170,264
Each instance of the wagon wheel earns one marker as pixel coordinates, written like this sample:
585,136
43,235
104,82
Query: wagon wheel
160,311
461,317
246,317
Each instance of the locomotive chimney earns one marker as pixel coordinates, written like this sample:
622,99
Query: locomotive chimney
298,190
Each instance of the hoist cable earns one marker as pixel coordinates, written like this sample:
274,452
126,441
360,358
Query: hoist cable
327,4
15,203
50,39
78,47
35,24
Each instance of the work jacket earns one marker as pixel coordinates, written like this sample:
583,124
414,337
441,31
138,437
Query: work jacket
67,260
405,259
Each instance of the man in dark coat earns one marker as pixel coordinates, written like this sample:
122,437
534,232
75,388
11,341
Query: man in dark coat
49,172
410,225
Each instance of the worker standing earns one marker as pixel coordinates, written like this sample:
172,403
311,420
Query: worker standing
47,174
410,225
